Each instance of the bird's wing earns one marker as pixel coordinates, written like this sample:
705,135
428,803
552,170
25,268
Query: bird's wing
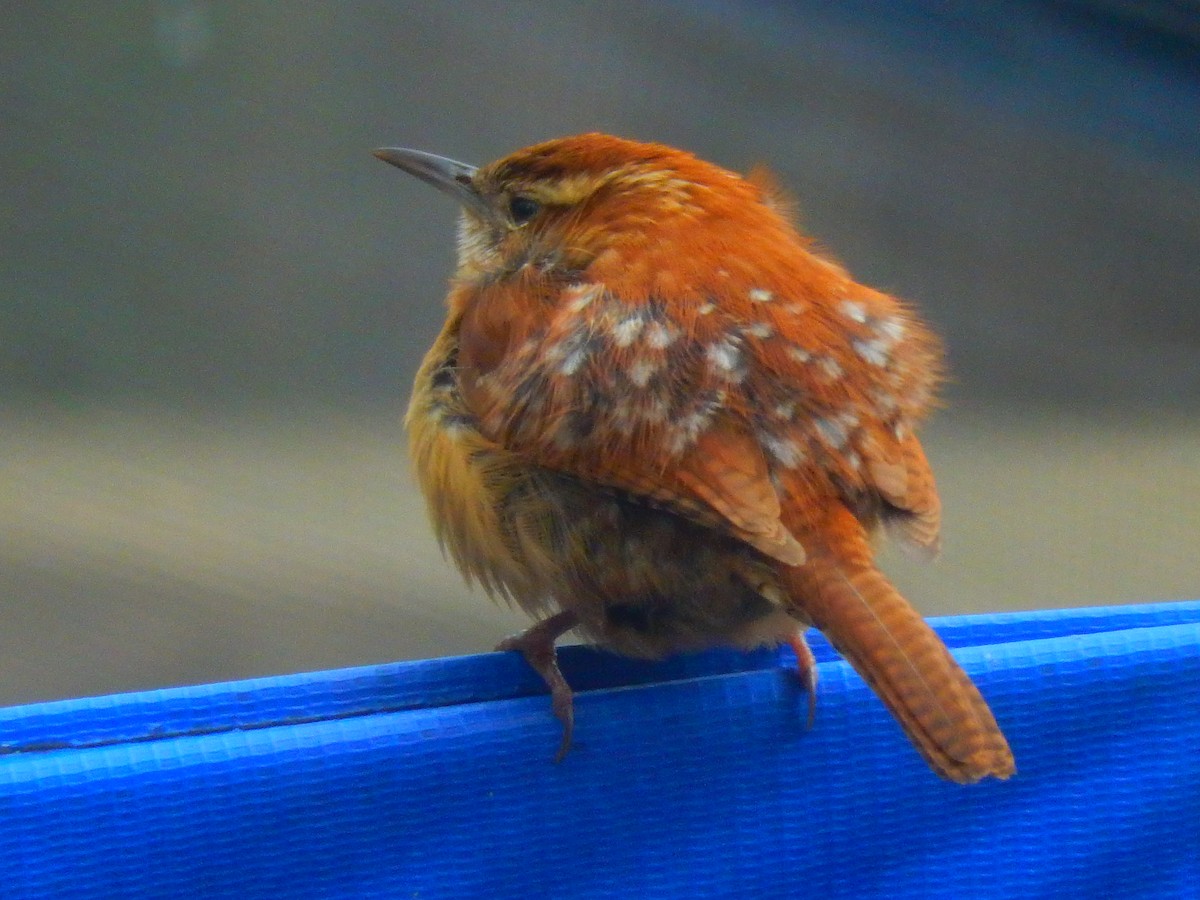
903,478
630,396
716,408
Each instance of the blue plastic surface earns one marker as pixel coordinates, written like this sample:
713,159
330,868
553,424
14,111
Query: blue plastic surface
690,778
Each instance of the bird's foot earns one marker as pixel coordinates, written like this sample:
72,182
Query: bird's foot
536,644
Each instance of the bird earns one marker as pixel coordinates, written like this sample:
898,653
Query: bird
660,415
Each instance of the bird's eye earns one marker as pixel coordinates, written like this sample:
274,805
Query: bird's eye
522,209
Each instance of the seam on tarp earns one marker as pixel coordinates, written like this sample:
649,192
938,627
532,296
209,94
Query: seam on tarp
49,746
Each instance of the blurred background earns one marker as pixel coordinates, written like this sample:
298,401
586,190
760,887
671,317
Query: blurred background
213,299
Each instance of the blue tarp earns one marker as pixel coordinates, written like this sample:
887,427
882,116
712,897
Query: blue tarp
689,778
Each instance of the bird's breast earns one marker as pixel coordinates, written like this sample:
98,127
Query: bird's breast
463,477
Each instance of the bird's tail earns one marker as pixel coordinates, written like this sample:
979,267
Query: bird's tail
904,662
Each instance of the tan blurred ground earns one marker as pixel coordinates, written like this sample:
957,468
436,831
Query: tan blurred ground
146,550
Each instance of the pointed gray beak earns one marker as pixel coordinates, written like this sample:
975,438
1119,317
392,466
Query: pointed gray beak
448,176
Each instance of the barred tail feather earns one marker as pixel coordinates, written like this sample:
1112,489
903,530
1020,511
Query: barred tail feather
907,666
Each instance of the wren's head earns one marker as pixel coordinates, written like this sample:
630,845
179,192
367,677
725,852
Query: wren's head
594,200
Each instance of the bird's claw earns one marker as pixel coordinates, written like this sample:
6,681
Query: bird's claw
806,669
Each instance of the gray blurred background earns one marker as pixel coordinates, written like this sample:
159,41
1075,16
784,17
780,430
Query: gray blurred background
213,299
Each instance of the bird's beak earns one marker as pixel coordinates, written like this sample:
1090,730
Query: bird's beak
448,176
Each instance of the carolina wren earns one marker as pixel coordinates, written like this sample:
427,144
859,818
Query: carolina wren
657,415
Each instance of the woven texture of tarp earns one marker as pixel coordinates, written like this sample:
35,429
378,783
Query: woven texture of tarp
694,777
